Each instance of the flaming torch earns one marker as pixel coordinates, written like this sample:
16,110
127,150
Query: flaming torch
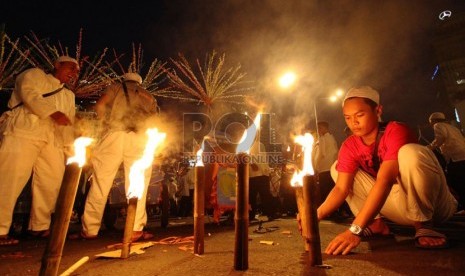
136,185
241,244
199,204
64,207
307,200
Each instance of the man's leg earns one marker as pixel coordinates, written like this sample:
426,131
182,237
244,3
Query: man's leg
106,160
134,145
46,182
17,156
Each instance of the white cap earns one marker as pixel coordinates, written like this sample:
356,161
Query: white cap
437,116
362,92
67,59
133,77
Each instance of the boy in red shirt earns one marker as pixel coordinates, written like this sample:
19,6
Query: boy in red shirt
381,171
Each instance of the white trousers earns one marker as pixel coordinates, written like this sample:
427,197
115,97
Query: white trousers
421,193
19,157
115,148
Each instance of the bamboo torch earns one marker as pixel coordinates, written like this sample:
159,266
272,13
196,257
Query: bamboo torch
306,195
137,185
63,209
199,204
241,244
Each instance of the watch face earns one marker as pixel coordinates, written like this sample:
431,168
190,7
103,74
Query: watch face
355,229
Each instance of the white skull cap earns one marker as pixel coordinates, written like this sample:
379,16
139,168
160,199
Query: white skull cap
67,59
437,116
133,77
362,92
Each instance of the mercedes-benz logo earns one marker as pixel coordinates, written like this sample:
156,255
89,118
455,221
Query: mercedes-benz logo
445,14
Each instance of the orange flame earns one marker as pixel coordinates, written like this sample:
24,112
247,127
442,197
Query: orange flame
199,161
306,141
80,145
248,137
136,174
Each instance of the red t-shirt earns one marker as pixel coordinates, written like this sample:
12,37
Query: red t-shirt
355,154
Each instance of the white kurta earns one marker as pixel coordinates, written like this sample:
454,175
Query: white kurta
33,143
117,146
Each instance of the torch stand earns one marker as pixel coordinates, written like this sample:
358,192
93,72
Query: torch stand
241,243
59,228
128,227
313,238
199,207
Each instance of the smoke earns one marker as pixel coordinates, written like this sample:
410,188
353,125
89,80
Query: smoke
329,44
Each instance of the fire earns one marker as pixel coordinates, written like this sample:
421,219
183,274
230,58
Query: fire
80,145
306,141
288,148
248,137
199,161
136,174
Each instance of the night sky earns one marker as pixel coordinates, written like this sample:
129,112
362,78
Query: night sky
329,44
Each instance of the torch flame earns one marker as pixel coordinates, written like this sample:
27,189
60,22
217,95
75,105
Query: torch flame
199,161
80,145
306,141
136,174
248,137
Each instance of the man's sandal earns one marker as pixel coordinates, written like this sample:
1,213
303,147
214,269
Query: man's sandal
81,236
141,235
5,240
427,232
367,234
42,234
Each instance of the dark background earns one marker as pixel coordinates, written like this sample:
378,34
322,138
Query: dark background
329,44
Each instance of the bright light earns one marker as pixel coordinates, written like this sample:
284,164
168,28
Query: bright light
137,171
80,145
333,98
339,93
306,141
248,137
199,162
287,80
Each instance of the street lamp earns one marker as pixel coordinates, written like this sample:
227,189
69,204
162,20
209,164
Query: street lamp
287,80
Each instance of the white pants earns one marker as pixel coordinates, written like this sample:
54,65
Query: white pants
115,148
19,157
421,193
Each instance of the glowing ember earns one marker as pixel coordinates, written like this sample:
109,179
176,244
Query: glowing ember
80,145
306,141
248,137
136,174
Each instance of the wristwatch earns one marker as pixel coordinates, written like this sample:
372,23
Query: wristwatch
355,229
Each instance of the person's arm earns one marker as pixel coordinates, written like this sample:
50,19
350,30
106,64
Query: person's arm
439,136
346,241
337,195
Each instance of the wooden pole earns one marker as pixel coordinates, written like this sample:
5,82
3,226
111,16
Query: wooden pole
241,243
310,201
299,195
128,227
59,228
199,207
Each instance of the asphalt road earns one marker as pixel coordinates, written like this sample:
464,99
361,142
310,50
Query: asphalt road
286,255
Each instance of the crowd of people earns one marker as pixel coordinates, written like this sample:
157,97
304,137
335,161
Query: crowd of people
379,172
